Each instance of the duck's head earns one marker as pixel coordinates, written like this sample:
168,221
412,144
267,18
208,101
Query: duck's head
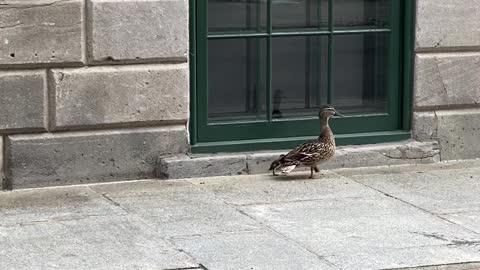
327,111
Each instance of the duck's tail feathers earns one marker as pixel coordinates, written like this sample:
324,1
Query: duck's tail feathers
288,169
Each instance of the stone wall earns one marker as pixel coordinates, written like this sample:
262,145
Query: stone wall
91,90
447,76
96,90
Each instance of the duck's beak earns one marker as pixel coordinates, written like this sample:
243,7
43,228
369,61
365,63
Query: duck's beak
338,114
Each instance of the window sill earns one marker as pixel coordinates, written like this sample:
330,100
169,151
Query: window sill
287,143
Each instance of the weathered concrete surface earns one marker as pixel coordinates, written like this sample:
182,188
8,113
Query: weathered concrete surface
447,23
41,205
245,190
250,250
164,205
371,227
22,100
468,220
447,79
105,242
420,216
72,158
350,156
451,266
361,156
119,95
183,166
138,30
45,31
439,192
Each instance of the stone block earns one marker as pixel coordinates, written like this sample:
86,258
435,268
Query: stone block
186,167
116,95
82,157
458,133
447,79
443,23
424,126
22,100
137,30
42,31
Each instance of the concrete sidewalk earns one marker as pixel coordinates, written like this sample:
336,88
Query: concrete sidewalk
425,216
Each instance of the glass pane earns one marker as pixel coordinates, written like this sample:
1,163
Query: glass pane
230,16
299,14
361,13
236,79
361,72
299,75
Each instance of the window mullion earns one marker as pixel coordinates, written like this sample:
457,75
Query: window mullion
330,52
268,98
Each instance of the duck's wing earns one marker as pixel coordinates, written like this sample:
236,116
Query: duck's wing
304,153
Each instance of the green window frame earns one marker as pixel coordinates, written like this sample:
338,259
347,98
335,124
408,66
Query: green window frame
271,133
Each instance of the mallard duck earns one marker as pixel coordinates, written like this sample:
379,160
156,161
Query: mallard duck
311,153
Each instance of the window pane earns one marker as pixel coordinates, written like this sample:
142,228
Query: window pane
299,14
299,75
236,79
361,13
361,72
229,16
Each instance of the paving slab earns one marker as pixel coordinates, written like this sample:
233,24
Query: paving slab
449,266
37,205
253,189
259,250
470,220
411,258
368,226
440,191
177,208
410,168
113,242
341,220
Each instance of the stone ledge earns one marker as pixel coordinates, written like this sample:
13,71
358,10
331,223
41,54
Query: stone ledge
257,163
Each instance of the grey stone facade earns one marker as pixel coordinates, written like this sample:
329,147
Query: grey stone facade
91,90
447,77
94,90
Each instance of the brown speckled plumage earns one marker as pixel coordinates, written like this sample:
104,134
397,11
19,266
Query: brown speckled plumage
310,153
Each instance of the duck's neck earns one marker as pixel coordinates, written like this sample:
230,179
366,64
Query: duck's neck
325,130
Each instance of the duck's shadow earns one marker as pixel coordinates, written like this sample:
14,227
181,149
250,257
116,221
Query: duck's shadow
296,177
